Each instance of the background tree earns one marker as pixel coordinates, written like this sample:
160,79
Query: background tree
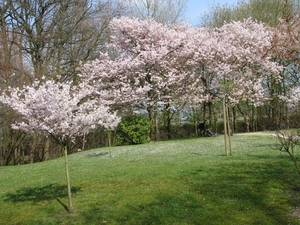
46,38
241,62
272,113
58,34
162,11
266,11
156,64
12,72
148,69
166,12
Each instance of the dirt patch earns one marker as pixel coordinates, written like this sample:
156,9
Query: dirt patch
257,133
296,213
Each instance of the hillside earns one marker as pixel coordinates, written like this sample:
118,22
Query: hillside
188,181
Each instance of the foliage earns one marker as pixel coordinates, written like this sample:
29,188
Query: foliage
133,130
185,181
266,11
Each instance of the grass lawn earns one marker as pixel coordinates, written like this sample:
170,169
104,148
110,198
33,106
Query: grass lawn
188,181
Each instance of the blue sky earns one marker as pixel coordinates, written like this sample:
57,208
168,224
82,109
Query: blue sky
197,7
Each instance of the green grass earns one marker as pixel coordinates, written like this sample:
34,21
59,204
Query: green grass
188,181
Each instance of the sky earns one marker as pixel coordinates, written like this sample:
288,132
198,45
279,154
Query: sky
197,7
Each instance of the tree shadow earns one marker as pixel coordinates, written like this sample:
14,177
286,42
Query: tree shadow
96,154
252,191
165,208
38,194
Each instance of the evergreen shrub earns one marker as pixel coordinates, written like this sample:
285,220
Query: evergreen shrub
133,130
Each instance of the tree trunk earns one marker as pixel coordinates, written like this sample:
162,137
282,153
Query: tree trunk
151,118
70,205
83,141
233,125
109,141
167,119
156,121
210,118
46,149
16,156
225,128
229,131
195,121
204,112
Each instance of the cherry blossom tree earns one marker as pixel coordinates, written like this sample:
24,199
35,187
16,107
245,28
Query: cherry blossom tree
157,64
245,61
236,62
147,68
236,52
59,110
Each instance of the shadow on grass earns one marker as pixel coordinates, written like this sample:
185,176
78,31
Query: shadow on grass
164,209
238,193
256,190
37,194
97,154
167,209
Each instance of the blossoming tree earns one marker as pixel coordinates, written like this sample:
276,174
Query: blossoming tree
156,64
148,68
244,62
59,110
236,62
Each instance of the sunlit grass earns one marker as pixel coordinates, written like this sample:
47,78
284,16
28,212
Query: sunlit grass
188,181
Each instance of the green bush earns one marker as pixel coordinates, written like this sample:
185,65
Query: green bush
133,130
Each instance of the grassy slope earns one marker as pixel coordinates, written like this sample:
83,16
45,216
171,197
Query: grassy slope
172,182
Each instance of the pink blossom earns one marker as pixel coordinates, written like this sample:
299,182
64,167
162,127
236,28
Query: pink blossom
58,109
154,62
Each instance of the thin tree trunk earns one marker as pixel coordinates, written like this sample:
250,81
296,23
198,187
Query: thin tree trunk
195,121
225,128
83,142
204,112
210,113
46,149
109,141
70,205
151,118
156,121
234,125
167,119
228,129
17,156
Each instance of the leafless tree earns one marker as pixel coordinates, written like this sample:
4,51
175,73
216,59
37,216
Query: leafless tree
162,11
288,142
